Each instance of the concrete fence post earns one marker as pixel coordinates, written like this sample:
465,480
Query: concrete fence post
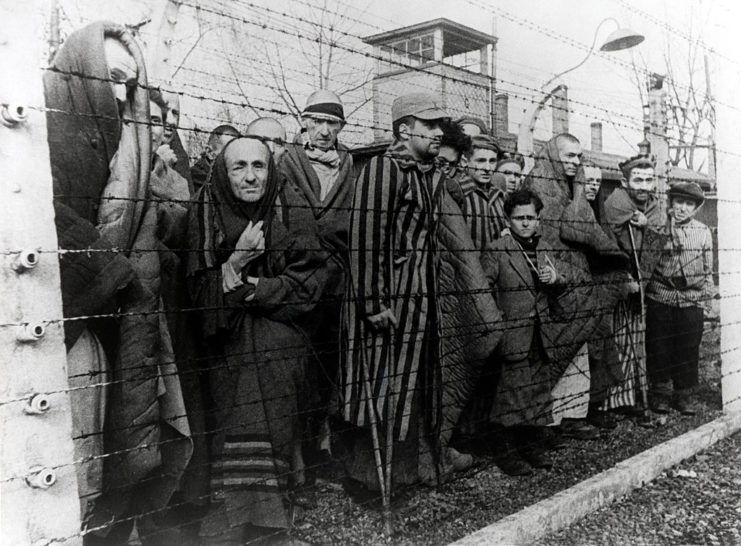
728,134
38,487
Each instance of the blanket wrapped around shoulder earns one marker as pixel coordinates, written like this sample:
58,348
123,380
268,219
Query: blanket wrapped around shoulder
568,224
470,321
100,168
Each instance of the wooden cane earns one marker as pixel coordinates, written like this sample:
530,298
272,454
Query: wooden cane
642,377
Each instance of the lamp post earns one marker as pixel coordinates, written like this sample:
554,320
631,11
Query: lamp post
621,38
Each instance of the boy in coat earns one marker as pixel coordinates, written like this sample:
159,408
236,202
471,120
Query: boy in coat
677,296
521,272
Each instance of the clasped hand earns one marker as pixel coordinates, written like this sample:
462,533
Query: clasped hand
547,274
250,245
638,219
382,320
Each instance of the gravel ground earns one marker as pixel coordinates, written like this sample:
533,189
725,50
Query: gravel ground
482,495
696,502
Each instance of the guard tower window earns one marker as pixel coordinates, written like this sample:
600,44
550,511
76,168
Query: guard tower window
411,52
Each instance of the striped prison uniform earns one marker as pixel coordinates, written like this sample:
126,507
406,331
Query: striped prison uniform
680,288
483,210
393,265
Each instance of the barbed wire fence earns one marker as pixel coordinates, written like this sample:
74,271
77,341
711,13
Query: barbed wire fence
40,469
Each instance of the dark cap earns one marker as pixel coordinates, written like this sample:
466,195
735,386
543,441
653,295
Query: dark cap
640,161
690,190
485,142
420,105
324,104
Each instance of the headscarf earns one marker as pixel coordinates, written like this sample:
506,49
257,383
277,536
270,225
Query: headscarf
84,128
221,217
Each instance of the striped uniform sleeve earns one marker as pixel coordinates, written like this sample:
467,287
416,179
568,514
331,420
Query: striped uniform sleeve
497,210
370,234
474,213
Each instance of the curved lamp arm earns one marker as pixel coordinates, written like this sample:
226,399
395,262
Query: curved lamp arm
589,53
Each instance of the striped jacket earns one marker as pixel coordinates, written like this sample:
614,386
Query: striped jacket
684,274
393,256
483,210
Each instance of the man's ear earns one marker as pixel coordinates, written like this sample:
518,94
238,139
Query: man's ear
404,131
463,162
624,183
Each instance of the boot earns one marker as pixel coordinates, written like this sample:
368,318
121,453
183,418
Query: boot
506,456
684,403
601,419
578,429
530,447
659,404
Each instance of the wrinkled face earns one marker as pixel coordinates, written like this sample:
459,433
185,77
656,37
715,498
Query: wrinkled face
172,121
683,207
512,176
423,138
273,132
523,221
592,182
569,153
156,120
322,131
447,160
122,69
481,165
247,163
640,184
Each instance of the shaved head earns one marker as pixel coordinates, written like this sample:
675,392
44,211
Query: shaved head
569,153
273,132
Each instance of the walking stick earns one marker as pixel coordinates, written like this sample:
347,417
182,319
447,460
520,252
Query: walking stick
375,439
390,425
641,362
371,408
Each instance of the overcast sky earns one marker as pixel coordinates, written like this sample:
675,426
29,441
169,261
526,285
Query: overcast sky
537,39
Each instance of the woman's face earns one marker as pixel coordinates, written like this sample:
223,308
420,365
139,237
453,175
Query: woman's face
247,164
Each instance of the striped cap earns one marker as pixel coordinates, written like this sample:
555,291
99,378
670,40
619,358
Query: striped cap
324,104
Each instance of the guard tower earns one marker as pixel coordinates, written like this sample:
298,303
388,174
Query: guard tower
440,56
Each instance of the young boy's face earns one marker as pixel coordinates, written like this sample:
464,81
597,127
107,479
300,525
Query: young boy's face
524,221
481,165
682,208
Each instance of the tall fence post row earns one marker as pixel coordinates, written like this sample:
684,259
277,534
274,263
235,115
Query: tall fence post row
38,484
729,227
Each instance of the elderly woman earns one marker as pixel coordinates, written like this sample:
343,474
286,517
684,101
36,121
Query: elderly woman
254,273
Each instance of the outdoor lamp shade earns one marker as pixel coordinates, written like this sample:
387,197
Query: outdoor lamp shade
622,38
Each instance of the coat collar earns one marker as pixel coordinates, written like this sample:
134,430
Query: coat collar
307,180
516,257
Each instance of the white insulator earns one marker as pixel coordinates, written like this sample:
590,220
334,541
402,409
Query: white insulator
38,404
41,477
25,260
30,332
13,114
